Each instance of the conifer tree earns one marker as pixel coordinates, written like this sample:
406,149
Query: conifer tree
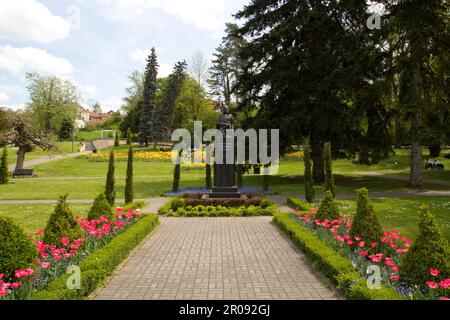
4,171
129,137
110,191
148,106
163,116
208,176
309,183
116,139
177,174
129,181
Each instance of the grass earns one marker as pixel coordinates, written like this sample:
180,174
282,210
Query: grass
33,217
62,148
89,135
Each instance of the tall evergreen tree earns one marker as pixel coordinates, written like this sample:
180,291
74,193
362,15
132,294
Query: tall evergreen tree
129,137
4,171
163,116
309,183
129,181
110,191
116,139
329,178
149,93
208,177
418,33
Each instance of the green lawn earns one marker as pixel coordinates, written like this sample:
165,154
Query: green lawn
33,217
62,148
403,214
89,135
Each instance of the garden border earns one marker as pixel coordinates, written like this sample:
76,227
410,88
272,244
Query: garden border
337,268
102,263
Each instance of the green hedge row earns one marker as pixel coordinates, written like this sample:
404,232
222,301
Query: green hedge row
298,204
100,264
220,211
339,269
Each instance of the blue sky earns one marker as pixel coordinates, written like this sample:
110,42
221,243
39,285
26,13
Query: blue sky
98,43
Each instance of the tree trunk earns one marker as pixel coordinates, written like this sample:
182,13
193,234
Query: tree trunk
20,158
318,167
398,131
415,178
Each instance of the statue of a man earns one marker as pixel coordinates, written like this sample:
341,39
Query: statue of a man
225,119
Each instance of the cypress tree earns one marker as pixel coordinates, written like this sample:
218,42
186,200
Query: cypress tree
148,106
4,171
129,181
266,178
239,174
116,139
329,179
162,118
208,176
110,192
129,138
309,183
177,174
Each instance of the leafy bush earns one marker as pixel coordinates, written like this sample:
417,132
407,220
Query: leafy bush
328,208
339,269
61,223
100,207
365,223
100,264
177,203
430,250
17,252
298,204
221,211
197,200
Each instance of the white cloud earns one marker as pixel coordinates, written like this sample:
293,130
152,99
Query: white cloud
30,20
18,60
140,55
3,97
165,69
87,89
205,14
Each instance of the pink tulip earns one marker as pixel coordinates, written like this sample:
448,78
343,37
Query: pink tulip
434,272
432,285
395,278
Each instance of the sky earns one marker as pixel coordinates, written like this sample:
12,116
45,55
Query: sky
98,43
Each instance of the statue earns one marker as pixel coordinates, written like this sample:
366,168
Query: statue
224,174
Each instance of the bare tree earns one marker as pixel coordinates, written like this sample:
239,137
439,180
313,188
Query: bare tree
198,68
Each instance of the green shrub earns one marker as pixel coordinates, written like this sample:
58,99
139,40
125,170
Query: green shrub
4,171
337,268
329,178
309,183
61,223
110,191
298,204
177,203
221,211
100,264
365,223
129,181
430,250
328,208
100,207
17,252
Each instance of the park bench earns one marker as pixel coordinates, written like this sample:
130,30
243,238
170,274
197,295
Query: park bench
23,173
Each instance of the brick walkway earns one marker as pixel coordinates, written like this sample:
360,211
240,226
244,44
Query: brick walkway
216,258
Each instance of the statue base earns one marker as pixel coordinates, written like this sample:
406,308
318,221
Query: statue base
225,193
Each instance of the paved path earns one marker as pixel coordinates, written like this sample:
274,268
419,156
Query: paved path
216,258
45,159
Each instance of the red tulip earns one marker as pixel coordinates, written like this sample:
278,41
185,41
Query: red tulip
432,285
395,278
434,272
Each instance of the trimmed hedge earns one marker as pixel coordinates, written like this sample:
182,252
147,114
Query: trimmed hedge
298,204
100,264
337,268
220,211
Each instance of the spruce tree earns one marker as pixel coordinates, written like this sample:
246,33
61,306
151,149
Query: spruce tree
329,178
148,106
110,192
163,116
309,183
129,181
4,171
116,139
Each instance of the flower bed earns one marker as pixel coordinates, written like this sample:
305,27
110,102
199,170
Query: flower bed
146,156
53,261
385,254
294,155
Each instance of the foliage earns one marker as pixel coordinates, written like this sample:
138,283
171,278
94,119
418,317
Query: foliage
129,137
221,211
66,130
329,178
110,191
298,204
100,207
129,180
430,250
61,223
309,183
16,250
328,208
4,170
149,95
365,222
